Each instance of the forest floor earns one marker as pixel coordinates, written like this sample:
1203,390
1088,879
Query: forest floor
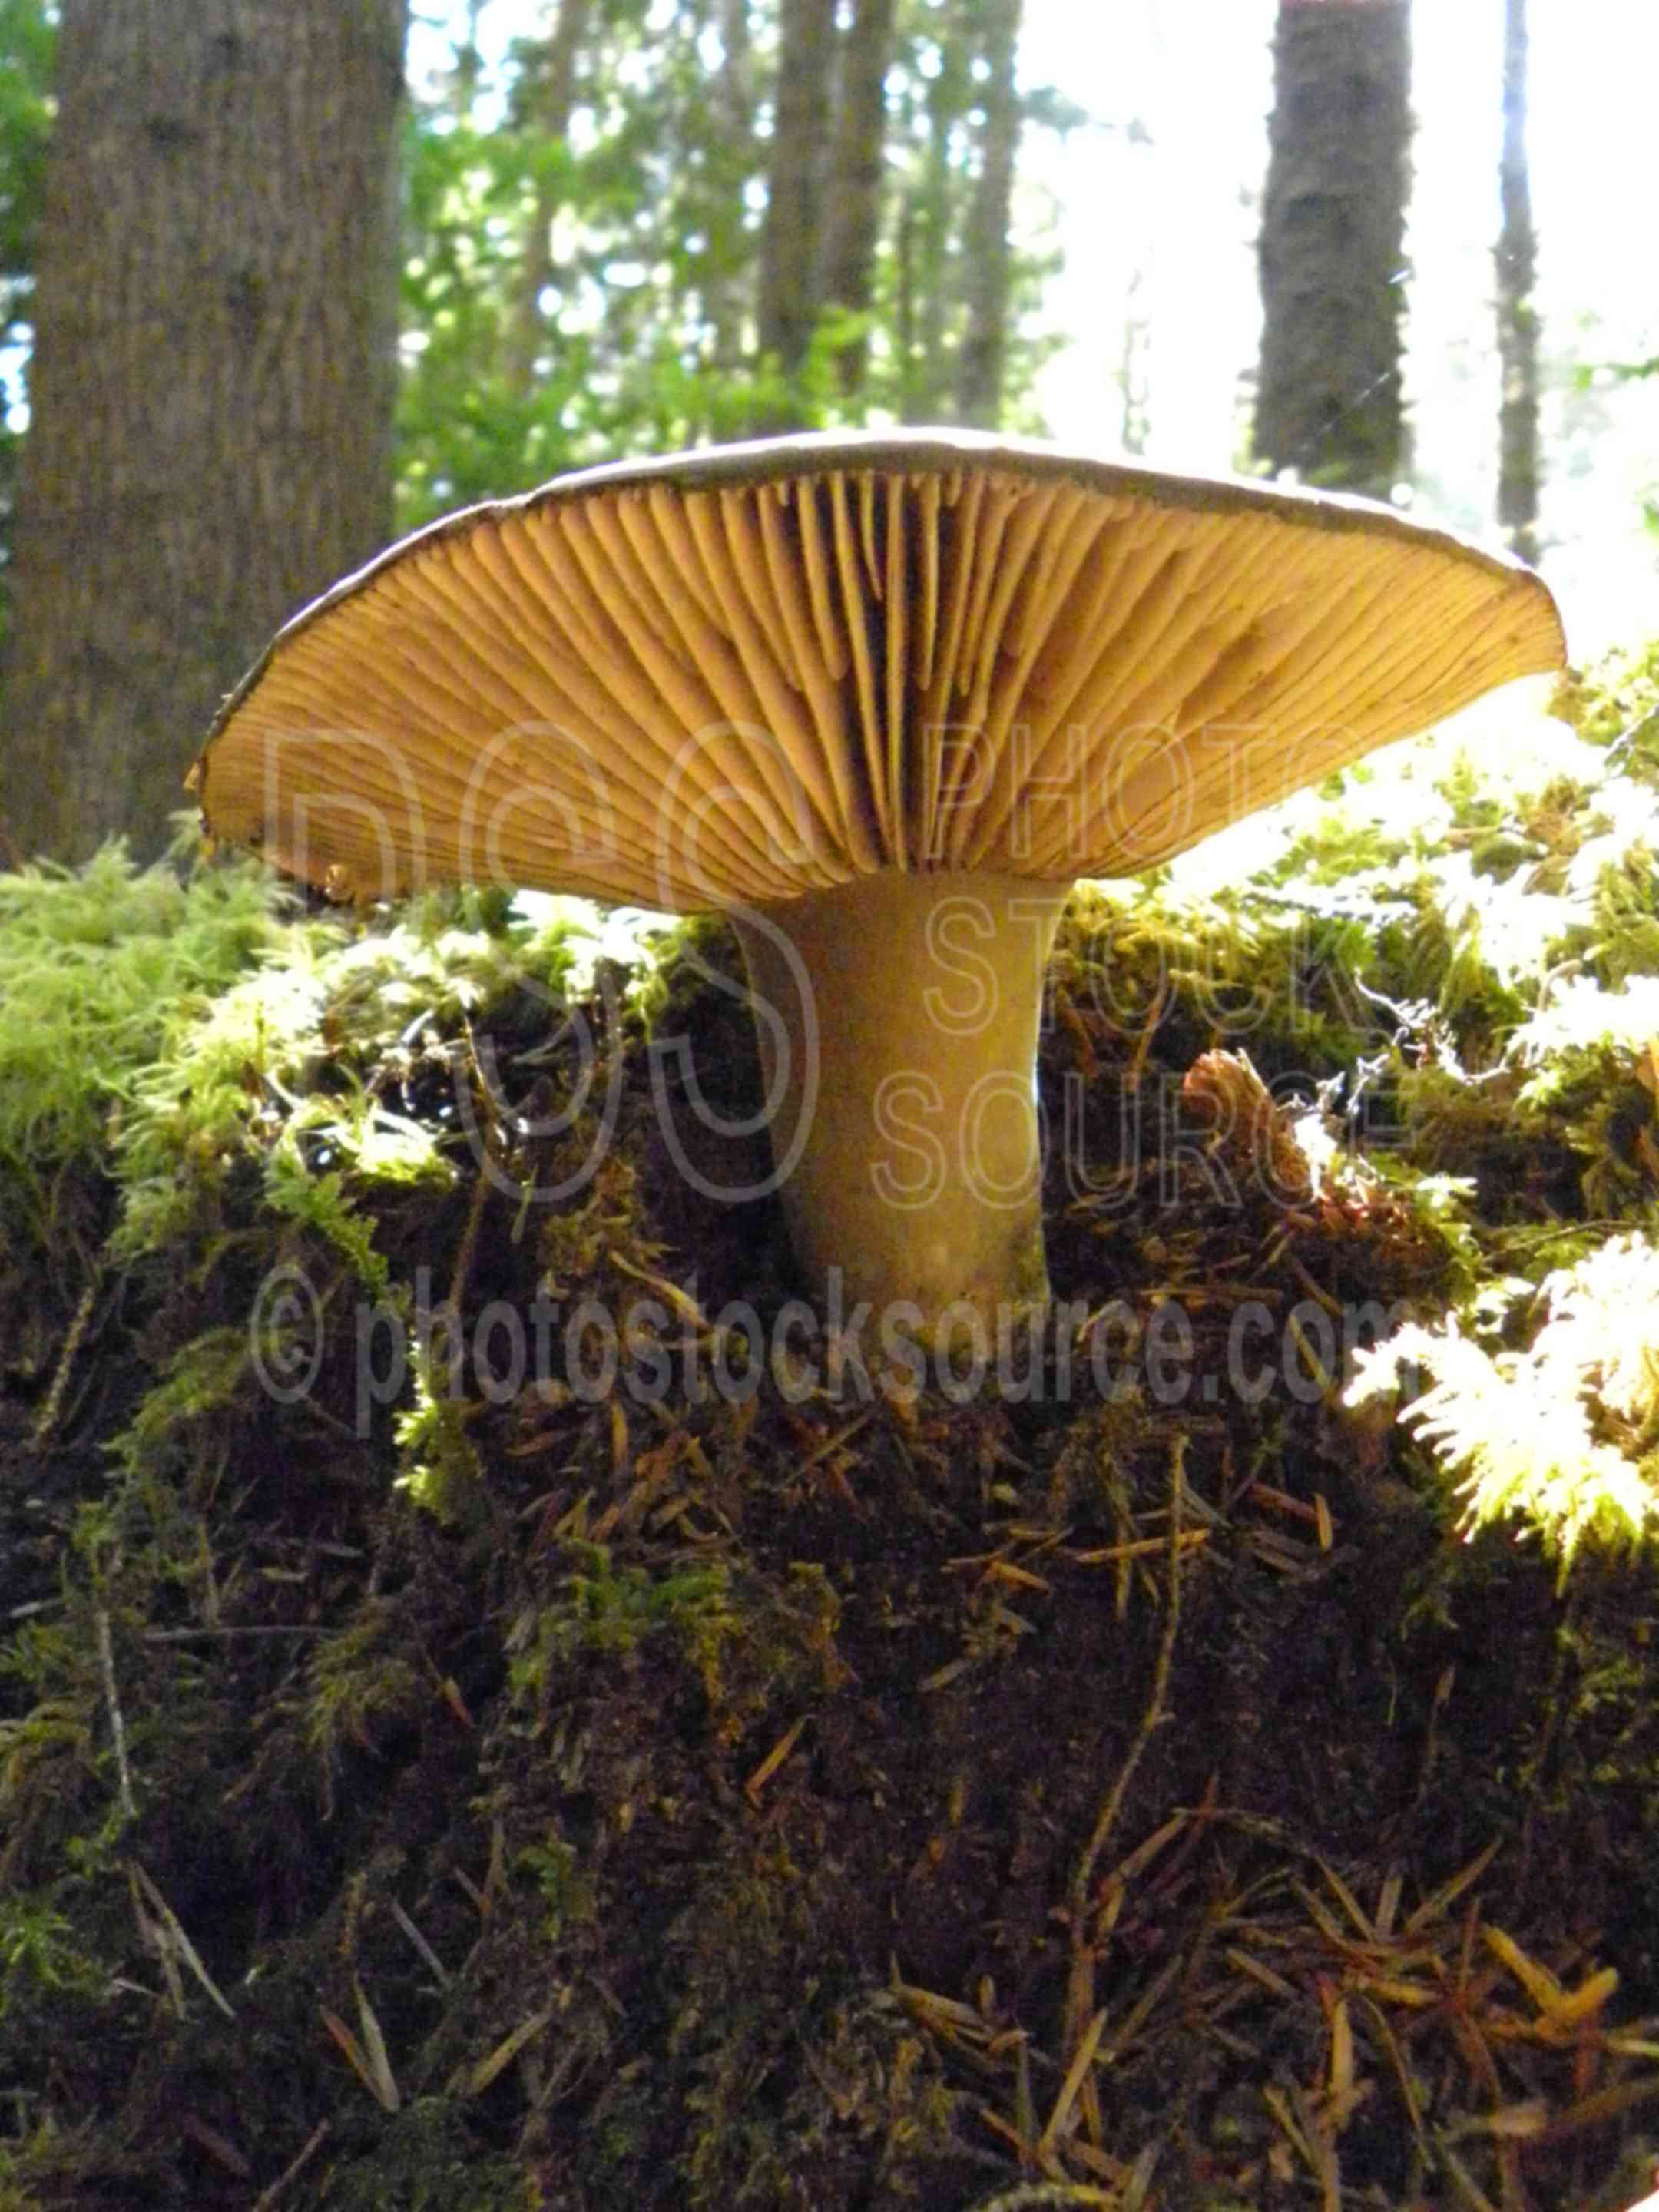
672,1777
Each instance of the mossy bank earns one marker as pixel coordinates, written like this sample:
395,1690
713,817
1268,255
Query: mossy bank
501,1708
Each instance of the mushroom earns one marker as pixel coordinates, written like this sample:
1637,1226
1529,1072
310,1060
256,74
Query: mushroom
881,699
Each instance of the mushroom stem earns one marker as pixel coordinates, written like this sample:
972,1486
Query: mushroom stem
898,1020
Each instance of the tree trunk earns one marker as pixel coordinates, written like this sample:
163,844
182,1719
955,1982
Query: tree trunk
211,385
546,94
1332,242
1517,324
905,338
930,262
469,68
729,288
858,169
791,283
984,347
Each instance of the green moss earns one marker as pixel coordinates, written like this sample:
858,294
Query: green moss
40,1953
1562,1435
360,1681
605,1609
653,1735
425,2159
567,1892
196,1388
1618,699
439,1464
698,956
100,971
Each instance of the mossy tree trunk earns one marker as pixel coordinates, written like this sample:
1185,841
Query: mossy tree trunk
858,170
1332,242
792,261
1517,324
988,274
211,386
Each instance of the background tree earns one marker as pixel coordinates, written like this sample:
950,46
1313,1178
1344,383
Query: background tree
791,291
929,257
858,167
729,163
211,382
1517,325
544,97
762,221
1329,398
988,273
641,292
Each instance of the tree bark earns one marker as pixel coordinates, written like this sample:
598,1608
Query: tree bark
791,281
984,348
469,67
1332,242
728,292
211,386
930,242
547,94
858,168
1517,324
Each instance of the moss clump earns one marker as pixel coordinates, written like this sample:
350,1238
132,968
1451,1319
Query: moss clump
101,970
611,1611
422,2160
1563,1434
472,1681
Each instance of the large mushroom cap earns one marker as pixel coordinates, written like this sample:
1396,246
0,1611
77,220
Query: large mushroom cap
736,677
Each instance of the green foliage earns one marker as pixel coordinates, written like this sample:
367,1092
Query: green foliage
319,1202
618,353
1617,704
641,338
462,434
53,1738
28,40
1538,1391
